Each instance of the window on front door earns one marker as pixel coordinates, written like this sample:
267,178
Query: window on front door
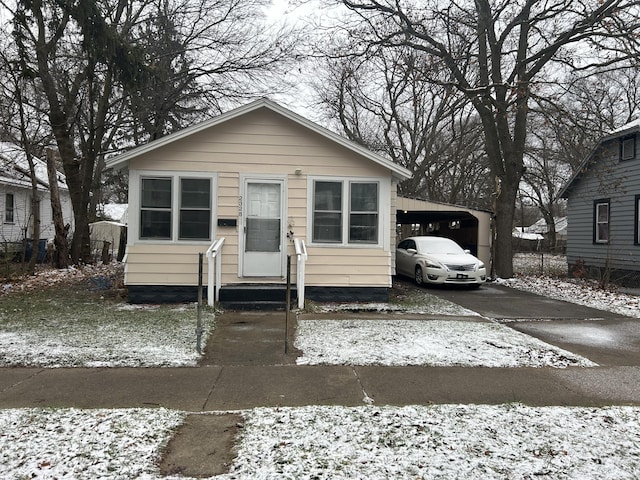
361,202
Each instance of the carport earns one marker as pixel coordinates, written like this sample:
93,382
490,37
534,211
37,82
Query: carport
470,228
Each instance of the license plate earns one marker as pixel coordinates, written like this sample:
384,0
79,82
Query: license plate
461,276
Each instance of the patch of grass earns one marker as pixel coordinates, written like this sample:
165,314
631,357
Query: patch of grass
81,324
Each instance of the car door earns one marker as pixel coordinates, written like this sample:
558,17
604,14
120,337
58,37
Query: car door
404,259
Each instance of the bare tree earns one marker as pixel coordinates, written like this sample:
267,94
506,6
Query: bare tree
499,54
115,73
565,128
383,102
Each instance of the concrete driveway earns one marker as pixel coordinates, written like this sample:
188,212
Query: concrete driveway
606,338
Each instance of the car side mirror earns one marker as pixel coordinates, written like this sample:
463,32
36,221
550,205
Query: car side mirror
412,251
466,250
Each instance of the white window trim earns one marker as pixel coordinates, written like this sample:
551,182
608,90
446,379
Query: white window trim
135,188
384,210
597,222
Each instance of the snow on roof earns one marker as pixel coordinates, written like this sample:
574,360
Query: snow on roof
116,211
14,168
518,233
628,126
541,225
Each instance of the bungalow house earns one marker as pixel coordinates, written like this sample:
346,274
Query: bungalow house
250,188
603,203
16,222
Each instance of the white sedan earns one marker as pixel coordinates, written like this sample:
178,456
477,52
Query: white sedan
438,260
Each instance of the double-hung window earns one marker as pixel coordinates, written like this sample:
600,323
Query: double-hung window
346,212
9,206
601,221
175,208
195,209
637,229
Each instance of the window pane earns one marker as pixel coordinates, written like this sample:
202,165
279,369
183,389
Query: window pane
8,208
364,197
327,227
602,222
156,193
155,224
603,212
328,196
195,224
363,228
263,235
195,193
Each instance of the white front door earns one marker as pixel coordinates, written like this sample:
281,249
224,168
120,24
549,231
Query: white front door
263,247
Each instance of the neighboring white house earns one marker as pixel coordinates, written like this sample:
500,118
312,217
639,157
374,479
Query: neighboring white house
16,222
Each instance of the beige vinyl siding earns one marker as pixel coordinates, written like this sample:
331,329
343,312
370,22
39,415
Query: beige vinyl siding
262,143
348,267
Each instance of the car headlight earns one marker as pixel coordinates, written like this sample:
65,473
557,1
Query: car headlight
433,264
480,265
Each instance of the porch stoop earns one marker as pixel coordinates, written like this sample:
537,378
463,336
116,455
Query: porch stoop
256,297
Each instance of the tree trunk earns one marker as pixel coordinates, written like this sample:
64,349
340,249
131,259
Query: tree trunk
60,240
35,236
504,209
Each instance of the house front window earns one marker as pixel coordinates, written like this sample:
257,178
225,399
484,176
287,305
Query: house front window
155,208
195,209
175,208
9,205
363,214
346,212
601,221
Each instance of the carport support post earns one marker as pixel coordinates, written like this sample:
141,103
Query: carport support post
287,307
199,329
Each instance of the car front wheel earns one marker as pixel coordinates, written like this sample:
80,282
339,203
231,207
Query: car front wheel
418,276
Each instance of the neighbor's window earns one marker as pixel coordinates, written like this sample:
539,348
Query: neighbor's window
637,229
8,208
601,221
195,209
628,148
359,199
155,208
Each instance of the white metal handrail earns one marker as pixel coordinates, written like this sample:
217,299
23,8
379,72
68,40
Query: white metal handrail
301,256
214,253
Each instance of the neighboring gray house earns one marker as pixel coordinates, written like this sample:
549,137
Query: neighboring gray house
603,203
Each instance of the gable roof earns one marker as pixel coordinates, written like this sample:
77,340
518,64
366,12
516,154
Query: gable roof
627,129
122,160
14,168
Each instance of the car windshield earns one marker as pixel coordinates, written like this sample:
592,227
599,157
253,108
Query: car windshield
438,245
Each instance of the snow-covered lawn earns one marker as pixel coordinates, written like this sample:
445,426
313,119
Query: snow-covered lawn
65,318
509,442
425,342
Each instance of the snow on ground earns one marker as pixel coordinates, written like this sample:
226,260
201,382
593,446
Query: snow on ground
425,342
583,292
509,442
